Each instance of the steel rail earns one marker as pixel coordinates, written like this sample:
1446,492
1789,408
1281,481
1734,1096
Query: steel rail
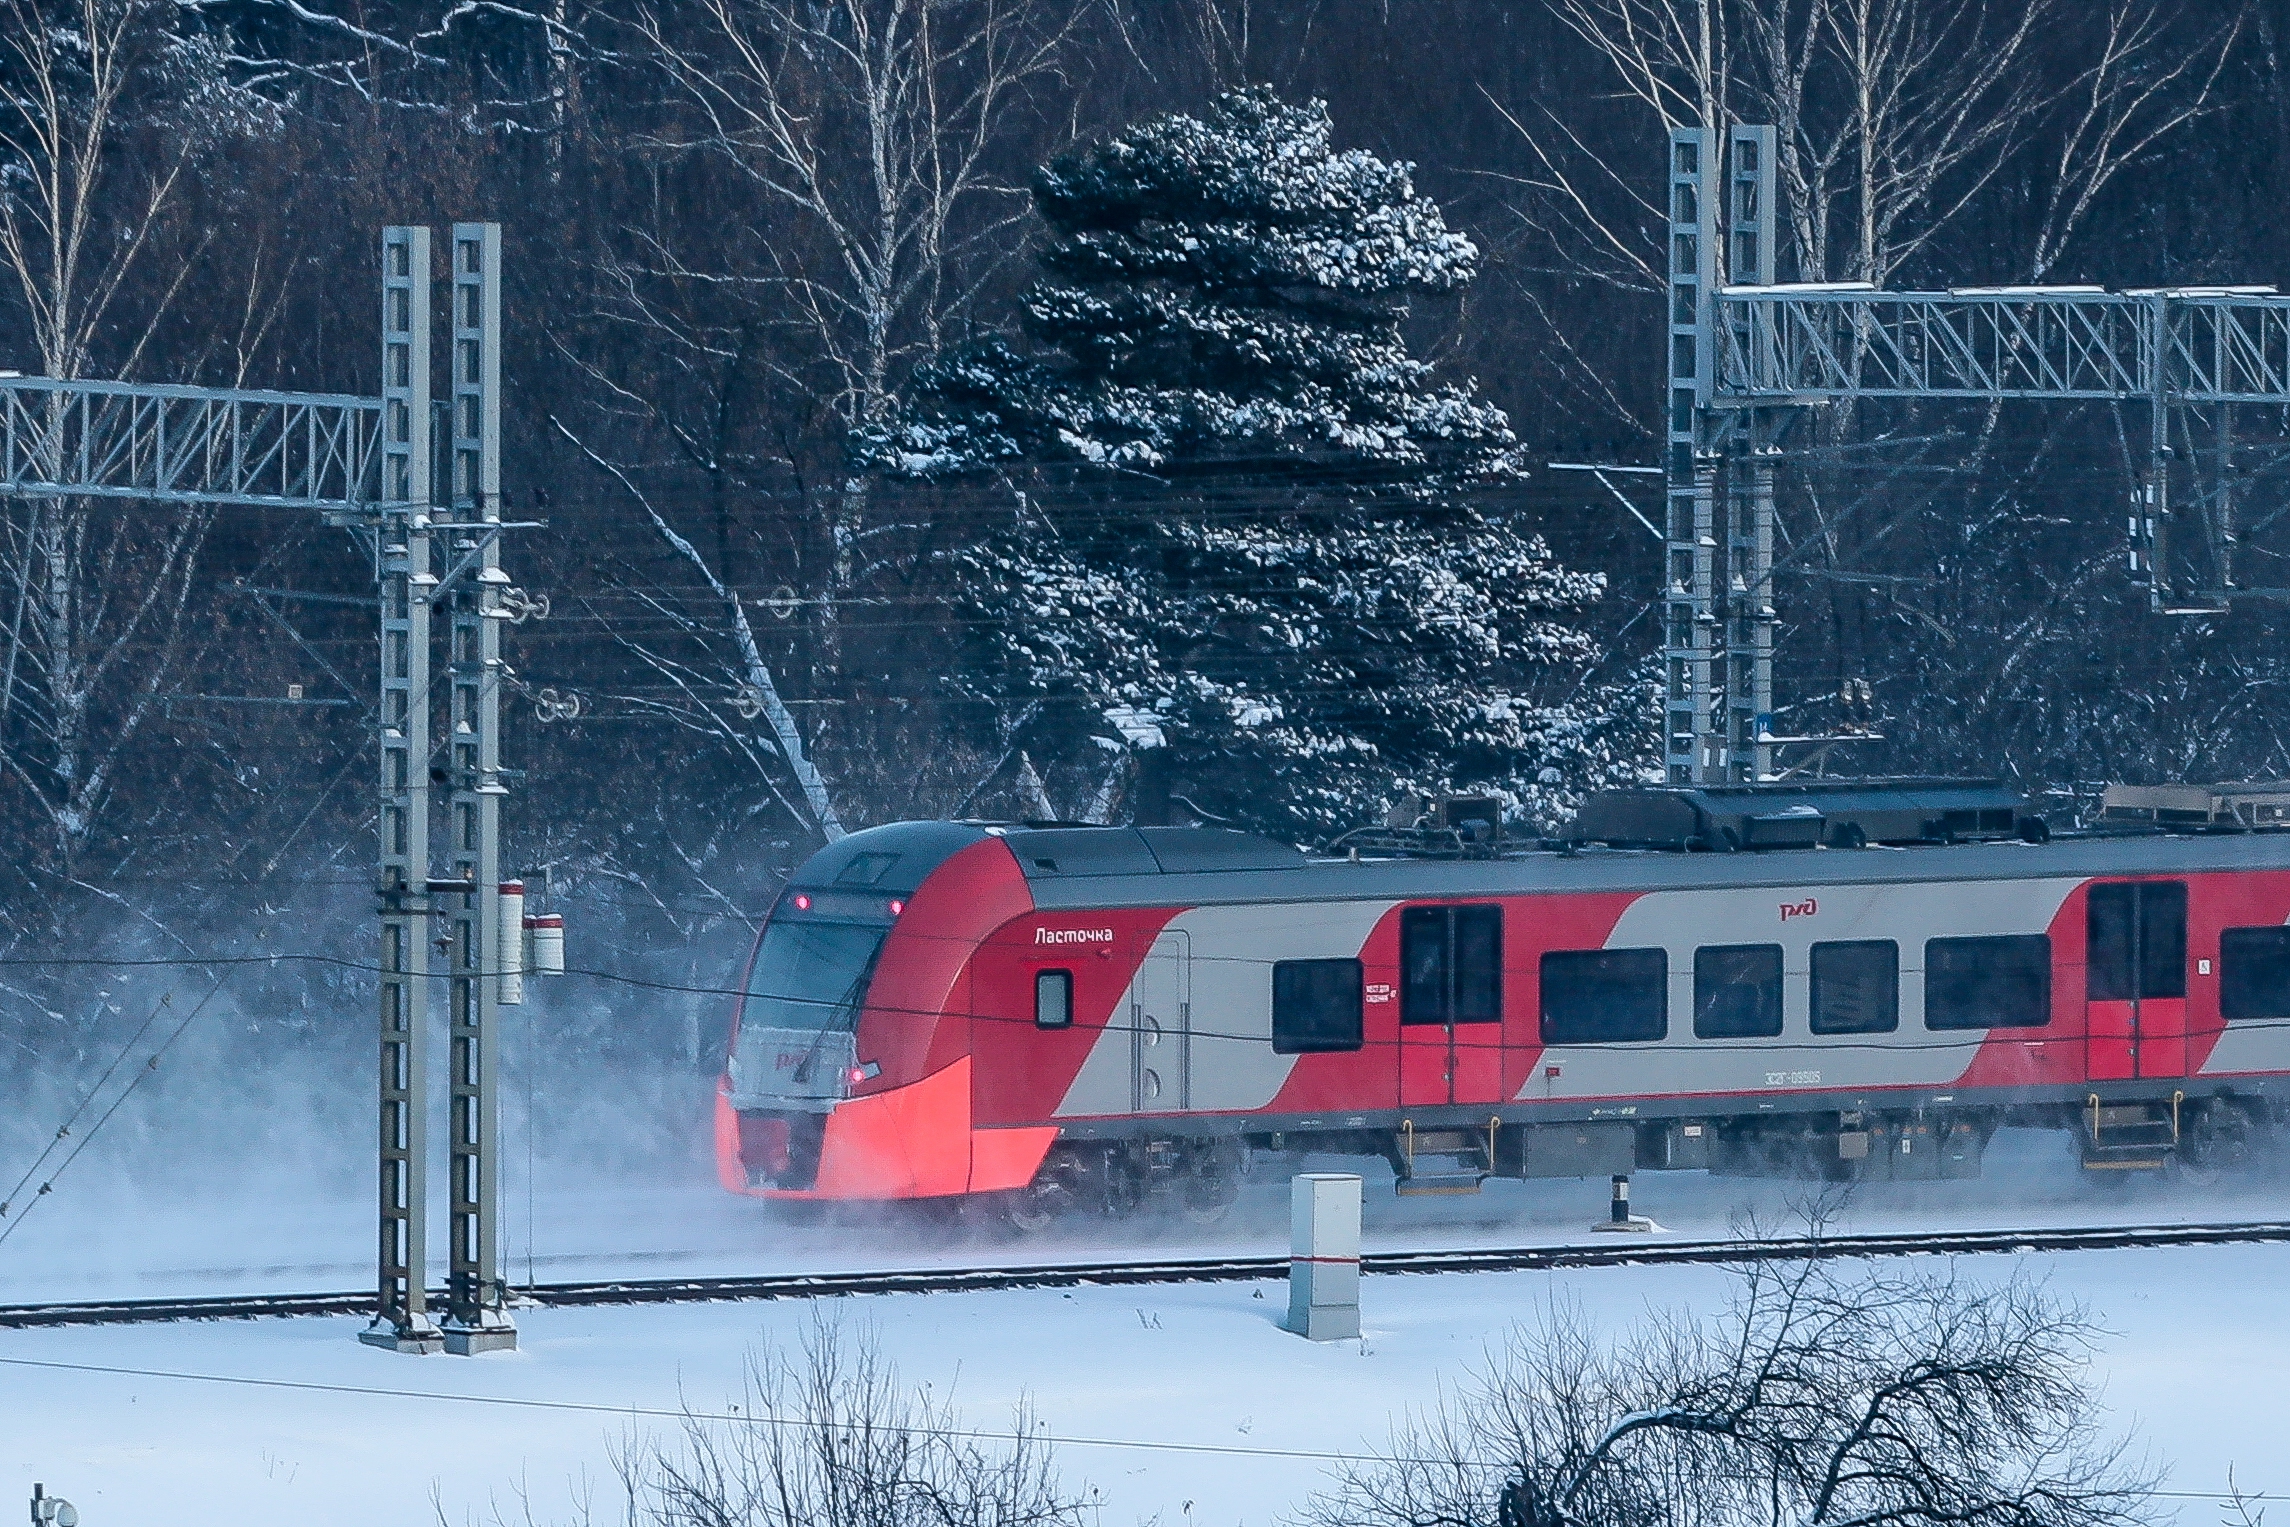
1632,1251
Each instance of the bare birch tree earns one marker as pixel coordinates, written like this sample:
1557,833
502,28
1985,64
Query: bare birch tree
873,125
1893,116
1898,123
868,130
95,617
874,143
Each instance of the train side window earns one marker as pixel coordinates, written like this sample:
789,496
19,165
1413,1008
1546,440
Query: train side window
1478,964
2107,943
1451,965
1856,987
1598,996
1316,1006
1053,999
2254,973
2135,940
1988,983
2163,938
1737,991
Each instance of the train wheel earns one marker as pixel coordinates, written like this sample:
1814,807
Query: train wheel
2220,1139
1034,1208
1212,1186
1207,1211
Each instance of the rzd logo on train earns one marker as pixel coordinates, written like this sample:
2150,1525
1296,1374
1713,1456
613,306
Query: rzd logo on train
1805,908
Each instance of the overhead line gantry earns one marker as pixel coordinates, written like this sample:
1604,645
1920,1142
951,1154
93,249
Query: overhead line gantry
1749,355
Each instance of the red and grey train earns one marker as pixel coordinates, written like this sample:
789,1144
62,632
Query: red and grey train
1106,1016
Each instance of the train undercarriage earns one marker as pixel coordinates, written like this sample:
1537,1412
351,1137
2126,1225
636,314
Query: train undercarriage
2194,1140
1198,1178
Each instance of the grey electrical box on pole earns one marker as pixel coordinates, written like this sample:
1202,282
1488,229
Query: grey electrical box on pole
52,1510
1324,1256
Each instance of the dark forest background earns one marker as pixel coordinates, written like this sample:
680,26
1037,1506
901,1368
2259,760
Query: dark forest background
733,230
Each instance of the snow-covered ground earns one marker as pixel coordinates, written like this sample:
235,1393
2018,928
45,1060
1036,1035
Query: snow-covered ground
104,1239
2202,1335
1240,1408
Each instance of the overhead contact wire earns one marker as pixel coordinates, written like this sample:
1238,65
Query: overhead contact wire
1977,1038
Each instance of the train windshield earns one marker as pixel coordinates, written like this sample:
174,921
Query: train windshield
812,975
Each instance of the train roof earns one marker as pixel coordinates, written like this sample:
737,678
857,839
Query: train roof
1087,867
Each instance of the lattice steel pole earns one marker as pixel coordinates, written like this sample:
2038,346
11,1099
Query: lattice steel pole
1761,614
478,1318
2222,530
1749,607
403,571
1689,551
2158,486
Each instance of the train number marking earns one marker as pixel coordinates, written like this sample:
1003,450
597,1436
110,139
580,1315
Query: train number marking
1792,1078
1378,991
1806,908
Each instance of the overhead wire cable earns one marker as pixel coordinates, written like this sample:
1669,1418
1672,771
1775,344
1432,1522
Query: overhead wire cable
87,1100
1975,1038
227,967
149,1067
804,1423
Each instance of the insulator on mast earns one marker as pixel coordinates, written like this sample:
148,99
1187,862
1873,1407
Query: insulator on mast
545,944
512,942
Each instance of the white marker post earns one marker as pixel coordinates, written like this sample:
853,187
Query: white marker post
1324,1256
1618,1215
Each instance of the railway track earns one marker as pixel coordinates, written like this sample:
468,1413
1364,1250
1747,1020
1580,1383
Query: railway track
1629,1251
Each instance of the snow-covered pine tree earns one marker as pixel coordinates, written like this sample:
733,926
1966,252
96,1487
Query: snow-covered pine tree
1250,556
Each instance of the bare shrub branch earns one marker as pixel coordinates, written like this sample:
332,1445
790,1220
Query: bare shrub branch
833,1438
1827,1395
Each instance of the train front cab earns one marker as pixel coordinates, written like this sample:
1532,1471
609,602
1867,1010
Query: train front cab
849,1072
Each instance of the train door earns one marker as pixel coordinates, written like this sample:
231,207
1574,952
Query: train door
2135,980
1450,1005
1161,1029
